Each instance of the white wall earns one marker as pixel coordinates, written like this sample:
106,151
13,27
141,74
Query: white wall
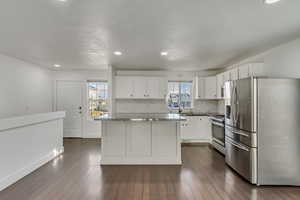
281,61
24,88
91,128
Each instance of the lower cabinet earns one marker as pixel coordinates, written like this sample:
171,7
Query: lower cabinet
196,129
138,139
149,142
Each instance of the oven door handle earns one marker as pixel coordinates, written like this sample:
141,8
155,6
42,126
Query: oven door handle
217,124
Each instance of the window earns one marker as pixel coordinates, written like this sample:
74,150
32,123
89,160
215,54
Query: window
98,95
180,94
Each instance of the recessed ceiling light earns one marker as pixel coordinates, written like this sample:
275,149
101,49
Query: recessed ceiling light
118,53
57,65
163,53
271,1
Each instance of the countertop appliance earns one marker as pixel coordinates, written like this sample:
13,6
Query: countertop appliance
262,131
218,132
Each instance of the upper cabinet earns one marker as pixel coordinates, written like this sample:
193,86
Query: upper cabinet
140,87
252,69
210,87
243,71
220,83
256,69
234,74
124,87
206,87
206,84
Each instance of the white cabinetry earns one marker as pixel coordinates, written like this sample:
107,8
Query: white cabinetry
206,87
124,87
256,69
156,87
252,69
200,94
149,142
196,129
234,74
220,83
139,87
244,71
226,76
210,87
141,132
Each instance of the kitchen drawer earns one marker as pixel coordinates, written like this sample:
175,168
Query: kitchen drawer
244,137
241,158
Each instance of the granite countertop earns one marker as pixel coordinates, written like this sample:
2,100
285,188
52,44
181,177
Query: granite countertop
142,117
201,114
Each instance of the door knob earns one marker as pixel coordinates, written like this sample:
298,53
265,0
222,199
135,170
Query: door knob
80,108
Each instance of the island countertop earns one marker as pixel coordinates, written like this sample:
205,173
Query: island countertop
142,117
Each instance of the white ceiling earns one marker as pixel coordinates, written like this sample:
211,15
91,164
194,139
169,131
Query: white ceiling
198,34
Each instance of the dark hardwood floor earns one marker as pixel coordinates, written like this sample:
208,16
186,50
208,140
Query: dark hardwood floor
77,175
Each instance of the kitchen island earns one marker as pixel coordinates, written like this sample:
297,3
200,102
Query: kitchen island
141,139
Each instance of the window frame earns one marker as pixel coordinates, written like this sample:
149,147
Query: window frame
192,94
89,116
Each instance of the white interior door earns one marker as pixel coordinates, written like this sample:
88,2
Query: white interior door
69,99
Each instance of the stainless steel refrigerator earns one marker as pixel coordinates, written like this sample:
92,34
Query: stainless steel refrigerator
262,131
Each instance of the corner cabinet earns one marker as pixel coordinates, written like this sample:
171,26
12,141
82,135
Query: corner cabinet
140,87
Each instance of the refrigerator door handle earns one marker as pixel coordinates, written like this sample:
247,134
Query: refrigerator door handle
238,145
239,133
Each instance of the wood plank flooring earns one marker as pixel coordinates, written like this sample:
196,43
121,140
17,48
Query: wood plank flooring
77,175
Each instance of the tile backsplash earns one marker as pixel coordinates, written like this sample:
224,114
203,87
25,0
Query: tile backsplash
160,106
141,106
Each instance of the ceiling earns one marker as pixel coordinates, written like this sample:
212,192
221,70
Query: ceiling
197,34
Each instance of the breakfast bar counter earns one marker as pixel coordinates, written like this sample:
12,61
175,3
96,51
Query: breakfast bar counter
141,139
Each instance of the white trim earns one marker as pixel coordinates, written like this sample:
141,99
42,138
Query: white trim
140,161
196,141
26,120
14,177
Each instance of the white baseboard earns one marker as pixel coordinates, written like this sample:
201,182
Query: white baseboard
196,141
140,161
19,174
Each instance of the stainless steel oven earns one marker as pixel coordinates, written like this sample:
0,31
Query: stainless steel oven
218,133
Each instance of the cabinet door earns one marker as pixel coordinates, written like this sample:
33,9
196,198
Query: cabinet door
164,140
256,69
234,74
196,128
220,82
138,139
185,129
226,76
114,137
210,87
200,88
244,71
124,87
204,128
155,88
139,88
